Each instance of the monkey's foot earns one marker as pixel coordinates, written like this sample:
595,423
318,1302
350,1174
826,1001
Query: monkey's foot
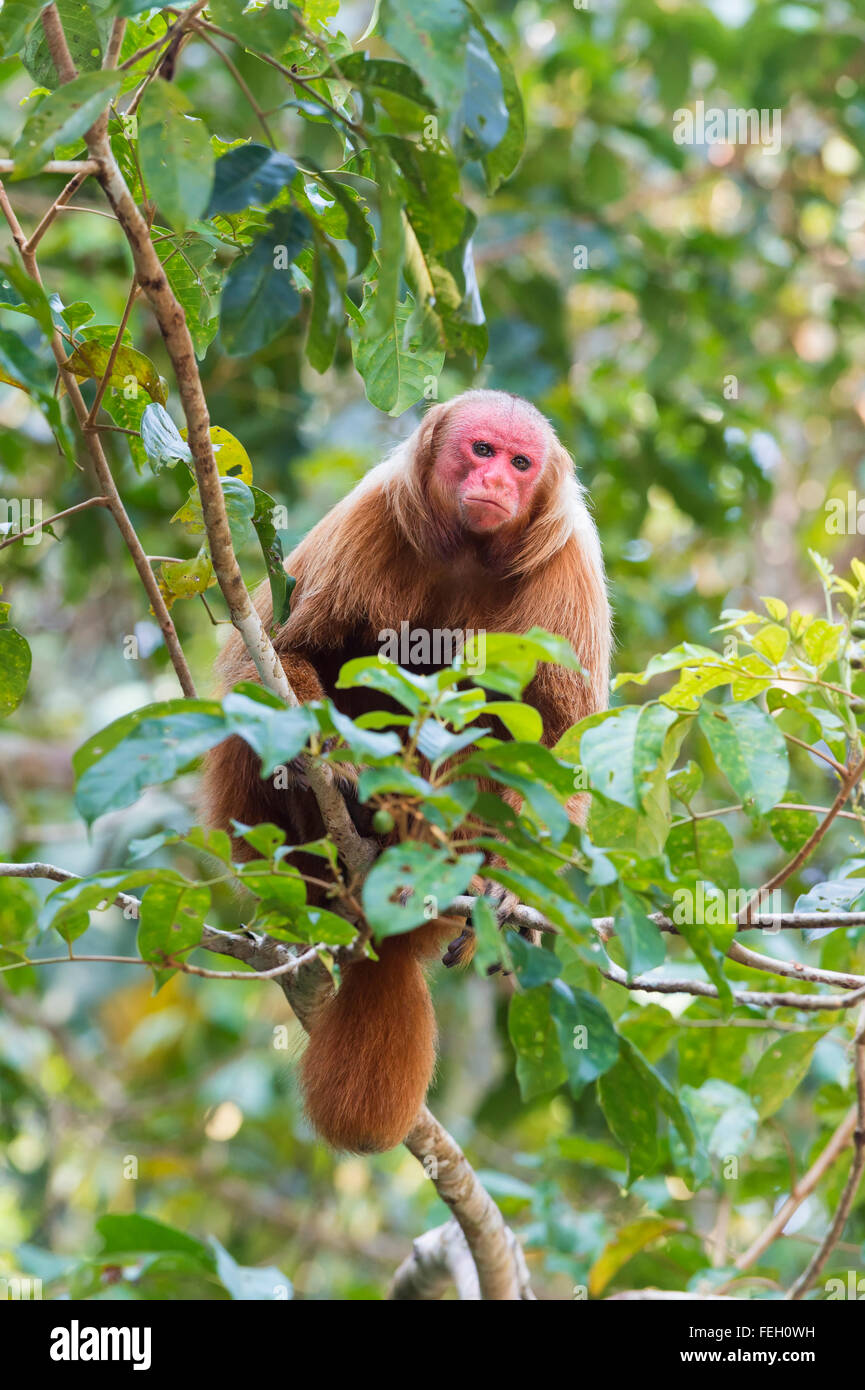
461,949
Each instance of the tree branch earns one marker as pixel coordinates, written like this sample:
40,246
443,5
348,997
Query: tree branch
305,981
102,470
836,1230
439,1258
849,780
58,516
803,1188
476,1213
356,852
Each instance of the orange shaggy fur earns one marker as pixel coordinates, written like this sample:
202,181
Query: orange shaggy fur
391,551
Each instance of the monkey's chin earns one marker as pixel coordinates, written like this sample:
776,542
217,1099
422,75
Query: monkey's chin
481,517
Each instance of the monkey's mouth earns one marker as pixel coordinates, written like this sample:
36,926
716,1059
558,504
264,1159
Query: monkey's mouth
487,502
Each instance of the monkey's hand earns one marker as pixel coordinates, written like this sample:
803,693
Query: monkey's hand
462,948
502,900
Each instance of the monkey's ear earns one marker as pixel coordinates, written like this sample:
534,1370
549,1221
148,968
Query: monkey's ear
428,433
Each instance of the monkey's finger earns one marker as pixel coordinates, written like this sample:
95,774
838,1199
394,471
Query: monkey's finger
461,949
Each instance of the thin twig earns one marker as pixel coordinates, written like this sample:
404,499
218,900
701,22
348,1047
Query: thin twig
240,80
851,777
804,1187
857,1167
304,83
58,516
59,202
102,385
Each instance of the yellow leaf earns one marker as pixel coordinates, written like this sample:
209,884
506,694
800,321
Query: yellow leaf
771,641
776,608
232,460
625,1244
90,359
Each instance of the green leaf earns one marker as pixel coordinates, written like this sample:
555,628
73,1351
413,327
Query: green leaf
171,918
175,155
161,438
276,735
587,1039
685,782
501,155
703,849
271,549
195,278
535,1040
371,673
152,749
780,1069
138,1235
429,879
628,1241
130,369
771,641
642,941
259,296
15,661
86,29
822,642
432,36
363,742
523,722
17,19
532,965
750,751
186,578
629,1108
328,311
281,890
62,117
791,828
67,908
249,175
19,292
384,75
19,907
833,895
627,754
396,373
20,366
511,659
248,1283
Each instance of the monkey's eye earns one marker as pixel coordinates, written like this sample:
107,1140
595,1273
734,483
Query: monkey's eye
521,463
482,449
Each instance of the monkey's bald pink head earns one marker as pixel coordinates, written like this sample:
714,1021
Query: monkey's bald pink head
491,460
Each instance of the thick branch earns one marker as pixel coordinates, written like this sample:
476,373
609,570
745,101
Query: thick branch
478,1216
54,166
356,853
439,1258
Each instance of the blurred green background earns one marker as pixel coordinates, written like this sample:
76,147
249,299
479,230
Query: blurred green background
690,317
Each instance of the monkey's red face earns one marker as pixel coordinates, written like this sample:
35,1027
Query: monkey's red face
490,465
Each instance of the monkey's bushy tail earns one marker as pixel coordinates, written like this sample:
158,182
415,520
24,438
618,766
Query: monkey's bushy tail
372,1045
